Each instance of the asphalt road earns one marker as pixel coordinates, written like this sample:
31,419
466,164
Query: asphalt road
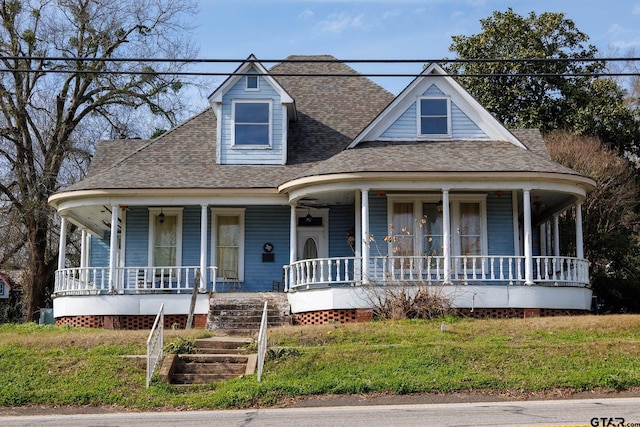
584,412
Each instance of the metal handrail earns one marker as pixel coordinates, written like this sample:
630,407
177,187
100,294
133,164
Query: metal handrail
155,344
262,341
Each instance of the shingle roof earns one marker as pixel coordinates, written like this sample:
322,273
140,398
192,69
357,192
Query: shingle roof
331,112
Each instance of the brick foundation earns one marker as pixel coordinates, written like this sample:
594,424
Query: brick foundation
130,322
329,316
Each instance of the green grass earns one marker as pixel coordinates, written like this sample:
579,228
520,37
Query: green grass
45,365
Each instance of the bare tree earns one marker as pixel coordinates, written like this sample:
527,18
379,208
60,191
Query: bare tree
45,103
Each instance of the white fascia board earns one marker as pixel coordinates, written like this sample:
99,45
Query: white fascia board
434,74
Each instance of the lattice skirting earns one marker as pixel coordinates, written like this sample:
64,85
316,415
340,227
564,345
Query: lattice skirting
362,315
507,313
130,322
332,316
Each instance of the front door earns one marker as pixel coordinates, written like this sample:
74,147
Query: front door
312,239
311,243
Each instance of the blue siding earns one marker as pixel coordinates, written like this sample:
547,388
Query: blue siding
405,127
378,225
137,242
341,220
265,224
191,236
500,224
259,155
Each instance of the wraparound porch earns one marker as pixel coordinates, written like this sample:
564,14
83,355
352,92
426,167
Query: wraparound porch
338,271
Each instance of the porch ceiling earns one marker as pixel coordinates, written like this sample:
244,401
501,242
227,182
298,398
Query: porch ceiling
96,219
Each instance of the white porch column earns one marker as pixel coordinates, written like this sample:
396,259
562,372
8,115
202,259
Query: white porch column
365,235
446,236
203,248
113,248
62,245
293,235
579,238
528,250
358,238
556,235
83,248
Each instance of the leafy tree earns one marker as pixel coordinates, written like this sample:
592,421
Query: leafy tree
48,107
537,93
610,218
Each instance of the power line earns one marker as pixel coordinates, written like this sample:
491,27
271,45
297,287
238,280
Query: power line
218,74
70,60
319,58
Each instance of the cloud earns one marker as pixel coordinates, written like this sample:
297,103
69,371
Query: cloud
336,23
306,14
636,9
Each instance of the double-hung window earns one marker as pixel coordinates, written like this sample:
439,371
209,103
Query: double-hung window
165,237
434,117
228,238
252,123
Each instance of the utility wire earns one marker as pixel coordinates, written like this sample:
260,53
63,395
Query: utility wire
206,73
319,58
52,60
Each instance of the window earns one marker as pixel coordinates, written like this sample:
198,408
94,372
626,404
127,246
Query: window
417,225
228,241
469,229
402,229
433,117
432,243
252,83
165,237
252,123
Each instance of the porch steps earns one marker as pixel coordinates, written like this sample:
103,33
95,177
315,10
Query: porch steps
241,314
214,359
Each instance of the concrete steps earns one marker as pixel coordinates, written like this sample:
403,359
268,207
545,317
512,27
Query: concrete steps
214,359
241,313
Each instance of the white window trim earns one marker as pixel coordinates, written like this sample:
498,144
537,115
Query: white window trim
215,213
246,83
153,213
419,119
267,146
454,212
455,200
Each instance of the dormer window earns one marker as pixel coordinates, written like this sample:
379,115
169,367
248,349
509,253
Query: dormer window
252,123
252,83
434,117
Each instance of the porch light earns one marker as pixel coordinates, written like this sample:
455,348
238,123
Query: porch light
439,206
308,218
161,217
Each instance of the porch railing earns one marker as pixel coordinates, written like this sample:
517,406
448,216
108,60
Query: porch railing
95,280
492,269
321,272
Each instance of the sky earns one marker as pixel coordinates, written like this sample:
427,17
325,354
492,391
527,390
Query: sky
385,29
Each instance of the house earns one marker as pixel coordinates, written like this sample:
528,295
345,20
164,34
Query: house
312,176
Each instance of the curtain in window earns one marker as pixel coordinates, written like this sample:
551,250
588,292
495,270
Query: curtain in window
165,241
470,230
228,245
432,228
402,232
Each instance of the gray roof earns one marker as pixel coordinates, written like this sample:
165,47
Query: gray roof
332,111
